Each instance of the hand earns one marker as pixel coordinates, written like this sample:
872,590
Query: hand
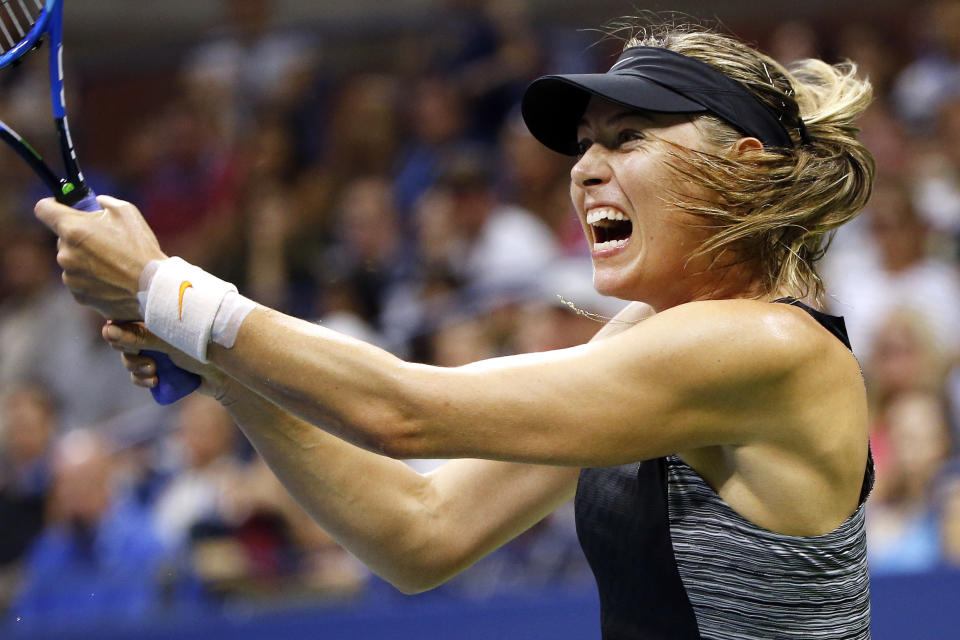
102,253
132,337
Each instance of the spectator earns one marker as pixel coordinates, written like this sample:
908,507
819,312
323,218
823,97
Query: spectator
921,87
895,271
369,256
28,422
938,175
437,122
46,337
196,498
494,245
248,64
902,519
100,557
190,193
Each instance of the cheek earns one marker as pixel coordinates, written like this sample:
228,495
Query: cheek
576,196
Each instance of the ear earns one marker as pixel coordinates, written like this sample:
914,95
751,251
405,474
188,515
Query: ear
747,144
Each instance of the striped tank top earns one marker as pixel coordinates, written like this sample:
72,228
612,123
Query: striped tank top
673,561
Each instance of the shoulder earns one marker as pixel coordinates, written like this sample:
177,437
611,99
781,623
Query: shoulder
767,335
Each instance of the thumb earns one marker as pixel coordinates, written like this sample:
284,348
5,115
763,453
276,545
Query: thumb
132,337
53,214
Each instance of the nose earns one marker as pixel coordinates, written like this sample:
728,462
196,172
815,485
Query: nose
591,169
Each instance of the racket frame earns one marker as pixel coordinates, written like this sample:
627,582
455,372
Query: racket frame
71,189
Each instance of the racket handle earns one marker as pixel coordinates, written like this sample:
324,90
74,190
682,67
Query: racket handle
87,202
173,382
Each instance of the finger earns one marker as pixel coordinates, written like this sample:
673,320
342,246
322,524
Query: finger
131,337
145,382
53,214
139,365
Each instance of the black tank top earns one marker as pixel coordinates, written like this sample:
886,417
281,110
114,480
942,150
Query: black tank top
673,561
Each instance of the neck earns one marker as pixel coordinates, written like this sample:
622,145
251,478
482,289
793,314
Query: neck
738,281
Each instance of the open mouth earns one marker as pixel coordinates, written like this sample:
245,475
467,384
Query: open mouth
611,228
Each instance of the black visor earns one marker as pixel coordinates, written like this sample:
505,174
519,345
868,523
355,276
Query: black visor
647,79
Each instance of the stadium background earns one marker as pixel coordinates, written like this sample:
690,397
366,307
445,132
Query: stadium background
362,164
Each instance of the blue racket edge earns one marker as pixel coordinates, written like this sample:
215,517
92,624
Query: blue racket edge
173,382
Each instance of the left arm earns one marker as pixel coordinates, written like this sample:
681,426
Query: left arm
701,374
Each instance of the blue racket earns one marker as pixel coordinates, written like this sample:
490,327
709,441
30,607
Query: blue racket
24,25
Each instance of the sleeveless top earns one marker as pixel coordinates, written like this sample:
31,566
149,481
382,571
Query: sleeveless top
673,561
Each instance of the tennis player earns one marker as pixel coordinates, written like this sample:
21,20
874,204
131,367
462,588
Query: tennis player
718,449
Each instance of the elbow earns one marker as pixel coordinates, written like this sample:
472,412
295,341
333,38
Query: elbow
423,578
428,559
414,587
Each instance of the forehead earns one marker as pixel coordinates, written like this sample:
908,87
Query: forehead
601,112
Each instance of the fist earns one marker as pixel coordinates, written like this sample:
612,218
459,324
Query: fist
102,253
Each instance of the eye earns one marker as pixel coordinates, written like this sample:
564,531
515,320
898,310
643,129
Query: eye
583,144
628,135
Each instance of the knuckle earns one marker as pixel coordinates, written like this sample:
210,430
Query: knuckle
69,233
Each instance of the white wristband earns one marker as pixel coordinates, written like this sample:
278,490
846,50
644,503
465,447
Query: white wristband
233,309
181,304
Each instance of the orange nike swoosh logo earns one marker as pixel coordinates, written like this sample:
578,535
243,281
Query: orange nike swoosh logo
183,287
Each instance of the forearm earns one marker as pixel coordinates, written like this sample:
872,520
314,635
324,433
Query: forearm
378,508
351,389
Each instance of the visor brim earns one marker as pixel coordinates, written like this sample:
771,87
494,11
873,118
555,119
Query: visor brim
553,106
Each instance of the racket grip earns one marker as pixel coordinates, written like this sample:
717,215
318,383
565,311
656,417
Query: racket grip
88,202
173,382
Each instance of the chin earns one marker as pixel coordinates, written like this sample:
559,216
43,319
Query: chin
611,285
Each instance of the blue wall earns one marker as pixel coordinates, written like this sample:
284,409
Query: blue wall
924,606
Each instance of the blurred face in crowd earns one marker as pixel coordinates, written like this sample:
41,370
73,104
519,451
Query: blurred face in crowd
918,428
945,25
898,231
27,425
82,488
920,440
904,357
249,17
25,267
437,111
640,245
369,218
206,430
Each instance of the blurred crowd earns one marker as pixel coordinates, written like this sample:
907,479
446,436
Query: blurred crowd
401,200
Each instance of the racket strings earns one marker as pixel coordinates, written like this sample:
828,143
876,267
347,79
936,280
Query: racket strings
17,17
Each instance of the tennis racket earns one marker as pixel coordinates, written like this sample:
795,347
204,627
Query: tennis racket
24,25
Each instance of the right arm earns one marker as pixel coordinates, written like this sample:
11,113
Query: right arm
416,531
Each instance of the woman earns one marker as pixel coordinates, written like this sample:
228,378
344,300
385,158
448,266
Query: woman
718,449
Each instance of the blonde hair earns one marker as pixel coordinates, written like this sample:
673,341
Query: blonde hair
778,207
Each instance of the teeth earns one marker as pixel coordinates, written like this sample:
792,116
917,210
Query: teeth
609,244
604,213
